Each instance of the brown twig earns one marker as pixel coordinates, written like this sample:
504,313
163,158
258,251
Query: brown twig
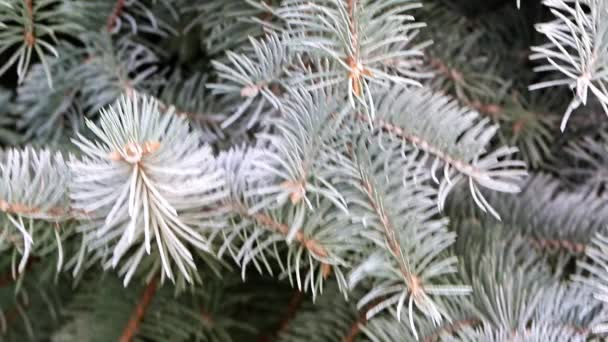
206,316
312,245
490,109
355,329
116,12
199,117
290,313
557,245
450,73
23,209
28,34
350,8
451,328
7,278
294,304
463,167
413,282
140,310
356,69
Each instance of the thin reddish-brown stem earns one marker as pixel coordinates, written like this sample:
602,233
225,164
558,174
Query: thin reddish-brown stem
28,34
199,117
445,70
450,329
140,310
391,236
350,7
116,12
206,316
559,245
292,308
23,209
356,69
290,313
489,109
462,166
312,245
7,278
355,329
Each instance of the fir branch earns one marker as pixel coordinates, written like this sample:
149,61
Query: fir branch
550,217
576,51
151,180
261,229
397,216
32,28
353,40
460,165
27,200
266,221
390,235
594,276
310,244
404,116
140,311
250,78
120,67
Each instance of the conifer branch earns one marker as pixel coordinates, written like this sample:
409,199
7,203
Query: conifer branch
312,245
391,238
460,165
140,310
457,76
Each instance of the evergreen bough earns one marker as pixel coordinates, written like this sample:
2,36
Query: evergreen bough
326,170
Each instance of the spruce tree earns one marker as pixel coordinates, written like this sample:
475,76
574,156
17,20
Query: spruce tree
290,170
